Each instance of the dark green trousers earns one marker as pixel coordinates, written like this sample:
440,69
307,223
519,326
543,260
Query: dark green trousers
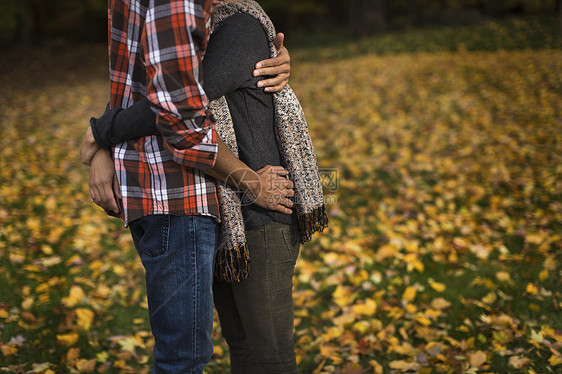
256,315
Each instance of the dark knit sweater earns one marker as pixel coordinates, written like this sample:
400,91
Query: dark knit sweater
233,50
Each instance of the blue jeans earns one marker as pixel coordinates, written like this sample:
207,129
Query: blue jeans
177,253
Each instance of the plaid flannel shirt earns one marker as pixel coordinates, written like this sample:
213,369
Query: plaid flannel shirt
155,50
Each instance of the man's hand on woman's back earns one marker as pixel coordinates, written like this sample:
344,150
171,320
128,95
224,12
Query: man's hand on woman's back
278,68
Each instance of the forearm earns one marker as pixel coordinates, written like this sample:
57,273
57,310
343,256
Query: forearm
231,170
267,187
89,147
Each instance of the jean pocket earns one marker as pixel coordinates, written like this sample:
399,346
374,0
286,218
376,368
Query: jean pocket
151,234
291,238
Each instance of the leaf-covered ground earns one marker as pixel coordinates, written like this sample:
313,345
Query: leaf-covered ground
443,175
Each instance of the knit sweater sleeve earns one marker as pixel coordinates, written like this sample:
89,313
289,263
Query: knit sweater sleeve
118,125
233,50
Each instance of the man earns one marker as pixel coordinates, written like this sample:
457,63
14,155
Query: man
168,201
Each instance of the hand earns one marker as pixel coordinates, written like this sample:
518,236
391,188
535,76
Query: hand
104,188
279,67
273,189
89,147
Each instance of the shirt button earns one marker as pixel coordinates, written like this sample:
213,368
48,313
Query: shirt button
211,156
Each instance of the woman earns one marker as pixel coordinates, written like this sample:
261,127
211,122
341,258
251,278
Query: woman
255,308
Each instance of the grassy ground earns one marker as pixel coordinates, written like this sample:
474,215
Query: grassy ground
443,181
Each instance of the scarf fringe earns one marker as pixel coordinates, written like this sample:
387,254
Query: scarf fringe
232,265
311,222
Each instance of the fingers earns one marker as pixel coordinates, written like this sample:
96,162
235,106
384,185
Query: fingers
278,41
270,169
276,189
283,56
274,84
279,170
281,201
282,209
287,203
277,202
108,198
116,188
281,62
106,201
102,184
96,194
103,196
278,68
274,68
283,206
276,88
275,178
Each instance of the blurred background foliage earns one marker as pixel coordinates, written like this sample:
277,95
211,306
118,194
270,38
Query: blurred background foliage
444,251
40,22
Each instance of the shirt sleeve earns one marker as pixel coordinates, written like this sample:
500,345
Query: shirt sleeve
234,48
173,40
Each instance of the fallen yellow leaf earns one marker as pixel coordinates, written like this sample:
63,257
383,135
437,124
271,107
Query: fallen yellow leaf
85,317
437,286
377,368
368,308
8,350
386,251
554,361
477,359
409,294
503,276
86,366
440,303
76,295
27,303
344,319
532,289
68,340
404,365
343,296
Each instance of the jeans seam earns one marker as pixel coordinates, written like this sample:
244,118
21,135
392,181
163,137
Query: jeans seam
166,234
195,251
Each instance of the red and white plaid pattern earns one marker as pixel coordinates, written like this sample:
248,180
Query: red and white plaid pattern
155,50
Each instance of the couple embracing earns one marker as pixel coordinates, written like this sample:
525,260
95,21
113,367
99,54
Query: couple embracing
213,170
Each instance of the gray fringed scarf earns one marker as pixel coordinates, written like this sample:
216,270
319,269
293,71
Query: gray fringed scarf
232,262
